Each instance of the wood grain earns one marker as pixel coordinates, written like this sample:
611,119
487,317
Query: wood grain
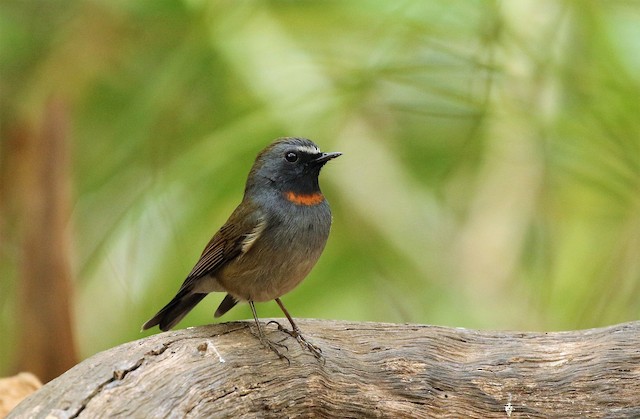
371,370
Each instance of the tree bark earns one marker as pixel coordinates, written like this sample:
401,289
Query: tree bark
371,370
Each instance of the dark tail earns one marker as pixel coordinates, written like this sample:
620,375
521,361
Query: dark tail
173,312
226,305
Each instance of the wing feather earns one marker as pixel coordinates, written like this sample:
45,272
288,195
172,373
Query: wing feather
235,238
232,240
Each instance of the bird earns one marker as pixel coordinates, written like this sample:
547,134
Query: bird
268,245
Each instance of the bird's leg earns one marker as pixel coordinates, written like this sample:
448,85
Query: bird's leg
295,332
274,346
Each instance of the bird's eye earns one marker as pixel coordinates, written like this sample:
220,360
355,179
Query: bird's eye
291,157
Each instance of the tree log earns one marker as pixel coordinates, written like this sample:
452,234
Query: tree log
370,370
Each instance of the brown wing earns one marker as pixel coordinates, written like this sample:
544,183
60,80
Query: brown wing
233,239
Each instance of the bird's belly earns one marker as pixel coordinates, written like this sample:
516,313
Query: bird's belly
275,264
262,283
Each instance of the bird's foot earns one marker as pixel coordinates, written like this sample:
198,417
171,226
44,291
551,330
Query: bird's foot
280,328
304,343
276,347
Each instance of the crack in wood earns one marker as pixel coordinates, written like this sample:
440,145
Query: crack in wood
119,375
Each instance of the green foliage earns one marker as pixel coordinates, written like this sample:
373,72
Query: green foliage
491,168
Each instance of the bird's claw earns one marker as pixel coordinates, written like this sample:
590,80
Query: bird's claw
315,350
294,333
273,346
280,327
304,343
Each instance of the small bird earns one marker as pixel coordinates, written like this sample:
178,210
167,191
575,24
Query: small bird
269,243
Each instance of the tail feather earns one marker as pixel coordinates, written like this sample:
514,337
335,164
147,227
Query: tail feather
173,312
227,304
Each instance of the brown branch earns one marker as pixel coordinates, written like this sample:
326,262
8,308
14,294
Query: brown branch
371,369
47,344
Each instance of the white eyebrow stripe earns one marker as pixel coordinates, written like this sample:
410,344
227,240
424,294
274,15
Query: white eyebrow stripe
308,149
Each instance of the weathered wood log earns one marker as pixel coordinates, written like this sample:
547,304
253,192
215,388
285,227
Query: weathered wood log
371,370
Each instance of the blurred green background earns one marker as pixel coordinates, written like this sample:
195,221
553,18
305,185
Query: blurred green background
490,176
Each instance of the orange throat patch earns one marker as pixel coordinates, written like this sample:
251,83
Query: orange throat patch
304,199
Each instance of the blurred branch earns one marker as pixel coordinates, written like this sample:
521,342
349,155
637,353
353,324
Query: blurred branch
47,346
381,369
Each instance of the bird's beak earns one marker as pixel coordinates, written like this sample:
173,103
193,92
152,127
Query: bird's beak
325,157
